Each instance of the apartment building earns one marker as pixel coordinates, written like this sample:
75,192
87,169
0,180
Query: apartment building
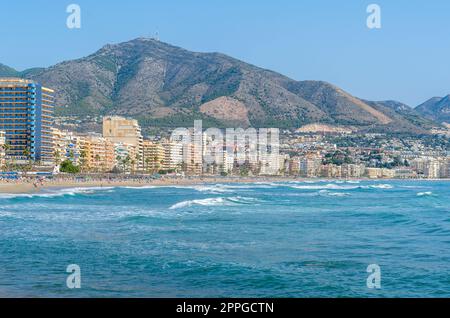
127,132
26,117
153,156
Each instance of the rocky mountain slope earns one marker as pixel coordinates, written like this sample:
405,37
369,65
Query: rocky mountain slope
164,85
436,108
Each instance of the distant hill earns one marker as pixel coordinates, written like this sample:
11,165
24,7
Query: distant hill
164,85
405,117
7,71
436,108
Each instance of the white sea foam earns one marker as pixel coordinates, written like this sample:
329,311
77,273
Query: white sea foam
227,188
329,186
382,186
415,187
243,200
257,185
220,201
5,214
333,194
212,189
204,202
334,186
423,194
140,187
55,193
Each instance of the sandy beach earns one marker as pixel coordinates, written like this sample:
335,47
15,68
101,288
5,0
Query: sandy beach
31,186
28,186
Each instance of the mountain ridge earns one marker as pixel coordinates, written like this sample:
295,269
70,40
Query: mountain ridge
436,108
165,85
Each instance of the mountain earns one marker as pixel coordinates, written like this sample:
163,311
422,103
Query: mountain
405,117
6,71
436,108
164,85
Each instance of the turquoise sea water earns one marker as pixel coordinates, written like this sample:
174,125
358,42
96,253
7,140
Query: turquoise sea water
296,239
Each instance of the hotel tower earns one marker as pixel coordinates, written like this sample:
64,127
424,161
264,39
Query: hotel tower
126,131
26,117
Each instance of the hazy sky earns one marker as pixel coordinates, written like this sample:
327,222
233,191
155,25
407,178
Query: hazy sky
408,59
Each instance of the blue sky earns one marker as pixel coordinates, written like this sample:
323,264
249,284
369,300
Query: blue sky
408,59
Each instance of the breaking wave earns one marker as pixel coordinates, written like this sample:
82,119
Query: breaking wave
333,186
139,187
329,186
221,201
333,194
382,186
423,194
55,193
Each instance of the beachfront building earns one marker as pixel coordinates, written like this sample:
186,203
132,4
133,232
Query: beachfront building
294,166
228,161
213,154
67,145
331,171
405,173
387,173
173,155
26,117
194,159
352,170
60,144
432,169
125,156
75,145
193,154
310,166
374,173
99,153
283,162
445,170
153,156
429,167
125,131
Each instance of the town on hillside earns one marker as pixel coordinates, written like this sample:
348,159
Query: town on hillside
31,144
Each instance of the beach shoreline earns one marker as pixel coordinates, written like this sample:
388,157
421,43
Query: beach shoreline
23,187
28,187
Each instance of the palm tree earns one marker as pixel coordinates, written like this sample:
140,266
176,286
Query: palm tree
57,157
133,163
126,162
138,160
83,159
97,159
147,163
119,161
27,154
6,147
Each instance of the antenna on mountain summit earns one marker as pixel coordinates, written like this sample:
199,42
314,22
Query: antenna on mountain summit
156,37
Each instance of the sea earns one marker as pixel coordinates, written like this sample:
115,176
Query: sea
319,238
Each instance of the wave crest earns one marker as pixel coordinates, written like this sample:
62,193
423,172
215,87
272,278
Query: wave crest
55,193
220,201
424,194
